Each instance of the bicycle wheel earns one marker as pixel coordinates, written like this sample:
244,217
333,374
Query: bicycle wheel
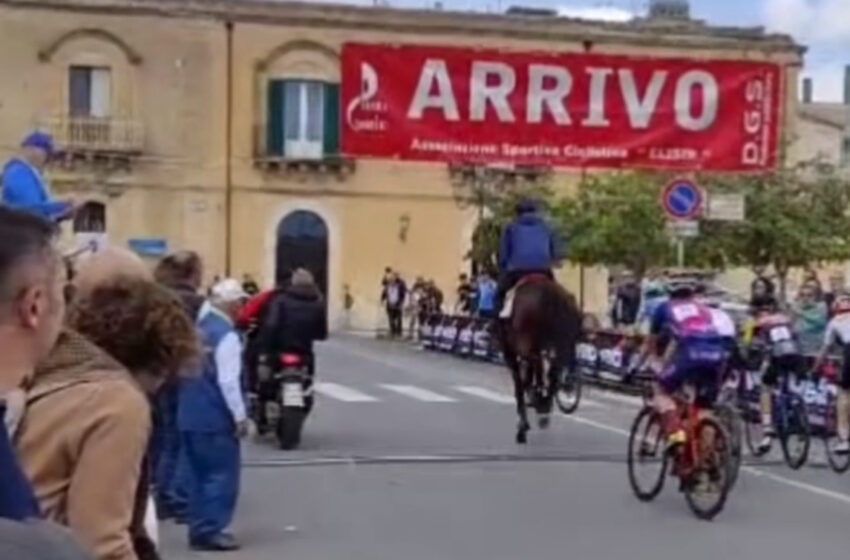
647,451
838,463
731,420
568,396
794,435
708,484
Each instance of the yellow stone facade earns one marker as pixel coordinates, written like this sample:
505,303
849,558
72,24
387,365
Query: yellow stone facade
190,76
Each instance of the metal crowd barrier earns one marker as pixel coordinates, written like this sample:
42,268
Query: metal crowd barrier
604,358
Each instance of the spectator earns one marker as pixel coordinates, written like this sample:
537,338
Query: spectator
394,296
487,289
32,308
810,276
250,285
435,298
627,301
24,185
212,417
415,306
465,295
86,427
182,274
762,290
810,318
837,287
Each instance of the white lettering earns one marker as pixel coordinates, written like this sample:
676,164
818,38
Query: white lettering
434,71
552,98
640,111
480,92
752,122
750,154
755,91
596,111
710,100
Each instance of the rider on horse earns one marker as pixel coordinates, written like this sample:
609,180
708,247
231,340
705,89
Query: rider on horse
528,247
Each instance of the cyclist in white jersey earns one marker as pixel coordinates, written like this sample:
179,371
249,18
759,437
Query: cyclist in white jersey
838,335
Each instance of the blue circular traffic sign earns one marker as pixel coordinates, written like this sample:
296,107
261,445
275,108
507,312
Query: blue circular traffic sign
682,199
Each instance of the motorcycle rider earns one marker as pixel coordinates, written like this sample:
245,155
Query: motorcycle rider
296,318
527,246
770,335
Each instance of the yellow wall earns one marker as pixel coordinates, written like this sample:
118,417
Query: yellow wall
177,88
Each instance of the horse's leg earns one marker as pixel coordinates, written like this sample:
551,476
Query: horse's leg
544,406
519,395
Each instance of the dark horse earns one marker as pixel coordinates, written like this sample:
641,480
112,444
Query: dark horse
538,341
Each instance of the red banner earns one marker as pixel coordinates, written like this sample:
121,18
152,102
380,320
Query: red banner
466,105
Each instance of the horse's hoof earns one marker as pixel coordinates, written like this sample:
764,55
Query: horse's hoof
521,437
544,421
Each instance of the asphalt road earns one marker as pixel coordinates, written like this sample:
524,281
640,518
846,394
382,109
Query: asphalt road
411,455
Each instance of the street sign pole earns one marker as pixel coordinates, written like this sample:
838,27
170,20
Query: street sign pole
680,252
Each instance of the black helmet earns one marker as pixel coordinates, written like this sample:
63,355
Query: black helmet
525,206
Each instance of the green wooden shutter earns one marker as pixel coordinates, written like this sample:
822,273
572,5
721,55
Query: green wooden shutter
274,123
330,138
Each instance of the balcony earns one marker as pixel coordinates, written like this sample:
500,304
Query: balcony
99,141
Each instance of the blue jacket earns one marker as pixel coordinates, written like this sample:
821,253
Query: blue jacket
25,189
201,406
528,244
17,500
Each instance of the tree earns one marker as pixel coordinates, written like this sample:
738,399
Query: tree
797,216
615,220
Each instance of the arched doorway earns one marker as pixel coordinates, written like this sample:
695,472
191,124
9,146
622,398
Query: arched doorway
90,218
302,242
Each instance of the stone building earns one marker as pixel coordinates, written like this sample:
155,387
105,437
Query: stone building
162,110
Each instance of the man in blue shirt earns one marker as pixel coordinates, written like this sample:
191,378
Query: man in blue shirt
528,246
24,185
32,307
487,289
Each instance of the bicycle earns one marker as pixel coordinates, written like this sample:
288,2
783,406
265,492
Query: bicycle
790,423
829,431
703,462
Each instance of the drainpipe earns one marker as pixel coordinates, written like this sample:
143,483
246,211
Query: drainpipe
228,154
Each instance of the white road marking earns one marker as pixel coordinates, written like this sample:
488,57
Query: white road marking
811,488
343,393
636,402
486,394
417,393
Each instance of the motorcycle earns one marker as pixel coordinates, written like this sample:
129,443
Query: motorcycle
289,399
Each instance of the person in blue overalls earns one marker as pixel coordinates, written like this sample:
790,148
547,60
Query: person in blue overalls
212,418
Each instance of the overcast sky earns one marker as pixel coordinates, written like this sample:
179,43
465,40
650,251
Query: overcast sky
822,25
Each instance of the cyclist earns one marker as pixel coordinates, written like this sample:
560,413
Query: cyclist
770,336
838,335
693,349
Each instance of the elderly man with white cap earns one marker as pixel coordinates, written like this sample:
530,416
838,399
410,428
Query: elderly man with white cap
212,418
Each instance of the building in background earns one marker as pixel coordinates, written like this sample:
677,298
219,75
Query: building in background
823,129
228,127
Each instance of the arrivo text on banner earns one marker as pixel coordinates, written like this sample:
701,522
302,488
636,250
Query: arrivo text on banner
562,109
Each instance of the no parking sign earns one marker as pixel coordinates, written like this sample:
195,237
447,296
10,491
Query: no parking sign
682,199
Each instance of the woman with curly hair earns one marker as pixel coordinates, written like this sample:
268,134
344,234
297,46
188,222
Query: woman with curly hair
88,418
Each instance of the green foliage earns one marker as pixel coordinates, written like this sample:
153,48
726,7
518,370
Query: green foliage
797,216
615,219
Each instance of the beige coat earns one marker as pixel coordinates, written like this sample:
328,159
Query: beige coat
82,440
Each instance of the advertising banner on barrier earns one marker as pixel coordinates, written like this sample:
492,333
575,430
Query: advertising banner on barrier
423,102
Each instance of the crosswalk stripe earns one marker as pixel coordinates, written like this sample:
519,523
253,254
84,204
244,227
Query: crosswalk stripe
486,394
343,393
417,393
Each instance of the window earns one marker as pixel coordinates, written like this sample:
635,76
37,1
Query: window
90,91
845,151
303,119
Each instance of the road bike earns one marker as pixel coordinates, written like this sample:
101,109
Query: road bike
703,464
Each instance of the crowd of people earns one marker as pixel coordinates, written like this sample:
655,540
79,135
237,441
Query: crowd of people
473,298
121,391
